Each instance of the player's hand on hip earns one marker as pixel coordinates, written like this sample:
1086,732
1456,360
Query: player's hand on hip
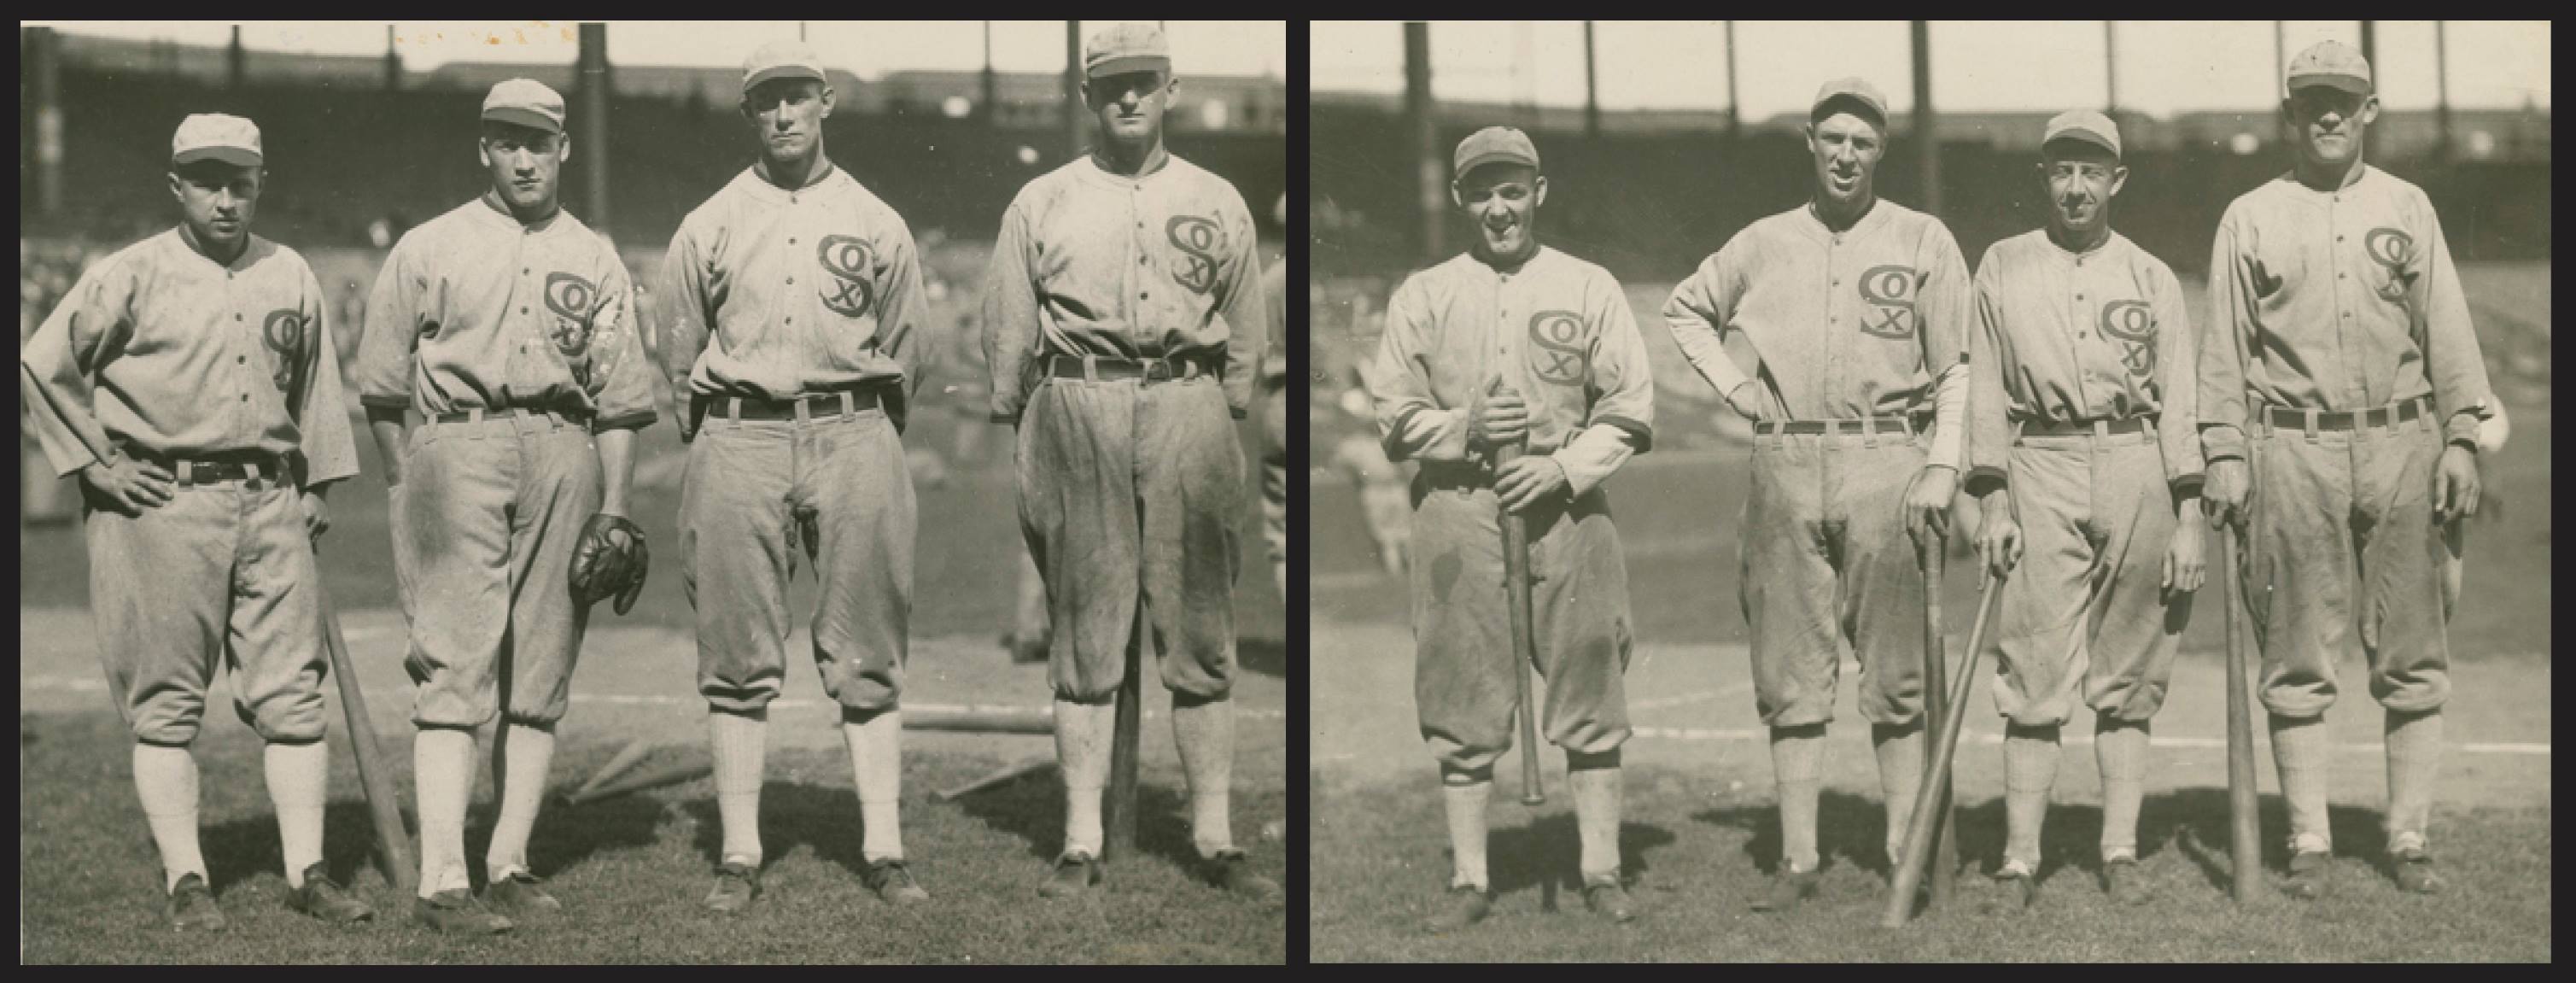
1741,400
2456,485
1500,419
2187,556
2224,492
1999,541
1927,503
1528,481
317,517
129,486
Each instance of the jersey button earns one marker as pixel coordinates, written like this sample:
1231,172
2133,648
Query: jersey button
237,315
791,240
241,360
791,281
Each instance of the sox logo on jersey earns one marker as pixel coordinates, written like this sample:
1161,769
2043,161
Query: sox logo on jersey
2134,324
1891,290
846,259
283,331
2392,249
1559,337
1198,239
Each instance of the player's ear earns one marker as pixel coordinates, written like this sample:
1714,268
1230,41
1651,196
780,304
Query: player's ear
1172,86
1538,191
2119,179
827,102
483,153
563,149
2369,109
176,194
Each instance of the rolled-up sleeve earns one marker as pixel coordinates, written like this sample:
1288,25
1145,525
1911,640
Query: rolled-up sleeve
1943,307
1697,313
1621,420
1411,424
623,380
1010,316
58,367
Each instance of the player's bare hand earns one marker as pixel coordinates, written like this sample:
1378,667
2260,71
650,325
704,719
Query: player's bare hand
2223,493
1927,504
129,486
1498,420
1741,400
2456,485
1999,541
317,517
2186,558
1528,481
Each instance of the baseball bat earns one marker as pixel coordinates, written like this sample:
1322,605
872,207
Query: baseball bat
1516,597
2244,838
394,857
1936,780
999,778
619,764
1936,711
671,774
1119,814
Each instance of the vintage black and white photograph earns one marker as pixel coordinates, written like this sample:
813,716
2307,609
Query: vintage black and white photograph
1929,491
682,492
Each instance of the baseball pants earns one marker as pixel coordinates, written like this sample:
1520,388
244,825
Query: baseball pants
484,527
2342,531
1463,685
1829,572
223,571
2085,615
1130,494
749,482
1274,485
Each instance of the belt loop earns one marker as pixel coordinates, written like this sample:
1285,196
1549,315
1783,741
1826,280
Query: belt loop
1090,368
804,413
2311,416
849,406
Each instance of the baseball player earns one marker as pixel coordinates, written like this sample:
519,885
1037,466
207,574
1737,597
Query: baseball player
2084,454
1840,328
508,325
1512,342
1123,327
202,483
1274,429
796,329
2341,393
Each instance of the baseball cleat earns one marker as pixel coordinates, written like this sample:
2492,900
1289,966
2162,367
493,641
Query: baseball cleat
516,894
2415,872
455,911
1465,904
1608,900
327,901
2121,881
1231,870
192,906
2307,874
1075,874
736,884
892,881
2015,889
1788,888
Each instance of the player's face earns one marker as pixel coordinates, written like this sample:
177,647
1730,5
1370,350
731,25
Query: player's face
526,164
1130,105
1502,199
2327,123
788,114
2081,180
217,200
1846,148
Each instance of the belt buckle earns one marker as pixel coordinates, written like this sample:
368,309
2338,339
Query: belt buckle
1158,370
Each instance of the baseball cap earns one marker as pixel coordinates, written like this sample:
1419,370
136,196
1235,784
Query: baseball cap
781,60
1127,46
215,136
1854,89
2331,63
1493,144
525,102
2085,125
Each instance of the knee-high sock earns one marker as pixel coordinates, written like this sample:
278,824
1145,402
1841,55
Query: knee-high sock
521,757
1594,779
1798,763
741,746
2030,770
166,780
876,766
1900,776
1463,795
298,783
1082,735
2414,757
2301,748
1205,732
442,766
2120,746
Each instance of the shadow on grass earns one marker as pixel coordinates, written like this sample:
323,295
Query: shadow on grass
1033,810
1547,853
1267,656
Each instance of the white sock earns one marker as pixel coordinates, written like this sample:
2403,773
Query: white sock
741,747
876,764
1900,777
1798,762
2301,749
1082,735
525,754
1596,818
166,780
299,778
1464,796
1205,733
2414,758
442,764
2030,769
2121,748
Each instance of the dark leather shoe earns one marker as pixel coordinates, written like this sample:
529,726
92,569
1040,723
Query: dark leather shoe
736,884
1608,900
327,901
2415,872
2014,889
2307,875
517,895
1075,874
455,911
1466,904
1231,870
2122,883
892,881
1788,889
192,906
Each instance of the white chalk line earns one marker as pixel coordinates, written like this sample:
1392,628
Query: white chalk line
617,699
2160,740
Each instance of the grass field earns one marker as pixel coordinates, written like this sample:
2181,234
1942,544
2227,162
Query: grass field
1701,833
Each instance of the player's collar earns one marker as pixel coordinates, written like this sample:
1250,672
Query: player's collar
760,189
1878,211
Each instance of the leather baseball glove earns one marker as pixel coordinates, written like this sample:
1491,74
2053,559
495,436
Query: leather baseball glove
610,561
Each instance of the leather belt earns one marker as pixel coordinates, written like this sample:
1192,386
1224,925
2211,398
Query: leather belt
1469,474
818,405
2290,419
2123,425
1101,369
479,414
1861,425
252,468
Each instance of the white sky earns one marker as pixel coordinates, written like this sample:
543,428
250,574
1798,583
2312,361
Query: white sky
2164,67
868,49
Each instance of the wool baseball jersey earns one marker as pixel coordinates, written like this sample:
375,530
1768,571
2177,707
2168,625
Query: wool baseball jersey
2066,338
159,349
1835,325
474,310
1095,263
1274,289
776,293
1557,331
2338,301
